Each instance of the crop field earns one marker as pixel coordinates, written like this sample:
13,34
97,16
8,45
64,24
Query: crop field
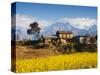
82,60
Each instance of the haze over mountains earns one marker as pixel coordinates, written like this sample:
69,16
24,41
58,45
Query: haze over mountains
51,30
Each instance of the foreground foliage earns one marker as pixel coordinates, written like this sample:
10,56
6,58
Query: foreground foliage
59,62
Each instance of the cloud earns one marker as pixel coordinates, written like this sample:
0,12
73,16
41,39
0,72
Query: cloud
25,20
80,22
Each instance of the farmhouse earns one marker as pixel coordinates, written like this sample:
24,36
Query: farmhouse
87,39
64,36
49,39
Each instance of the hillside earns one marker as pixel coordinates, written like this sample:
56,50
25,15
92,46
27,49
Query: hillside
29,52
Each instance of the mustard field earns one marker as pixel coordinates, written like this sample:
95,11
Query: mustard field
60,62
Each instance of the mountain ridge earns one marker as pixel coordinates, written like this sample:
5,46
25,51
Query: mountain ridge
51,30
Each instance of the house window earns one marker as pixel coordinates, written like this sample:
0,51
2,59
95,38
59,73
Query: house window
68,36
64,36
61,35
71,35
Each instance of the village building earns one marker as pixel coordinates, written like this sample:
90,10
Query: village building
49,39
64,36
86,39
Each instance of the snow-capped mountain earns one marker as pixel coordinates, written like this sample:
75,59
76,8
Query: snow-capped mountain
51,30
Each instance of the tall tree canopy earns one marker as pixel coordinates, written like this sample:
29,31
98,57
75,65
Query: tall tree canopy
34,29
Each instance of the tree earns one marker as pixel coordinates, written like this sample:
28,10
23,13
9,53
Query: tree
34,29
93,40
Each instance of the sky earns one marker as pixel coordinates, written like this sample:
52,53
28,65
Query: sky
47,14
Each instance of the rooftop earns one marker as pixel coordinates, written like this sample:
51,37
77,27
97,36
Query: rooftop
64,32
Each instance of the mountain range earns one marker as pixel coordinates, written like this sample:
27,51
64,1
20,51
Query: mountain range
60,26
51,30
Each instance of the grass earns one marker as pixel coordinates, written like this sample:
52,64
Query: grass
59,62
